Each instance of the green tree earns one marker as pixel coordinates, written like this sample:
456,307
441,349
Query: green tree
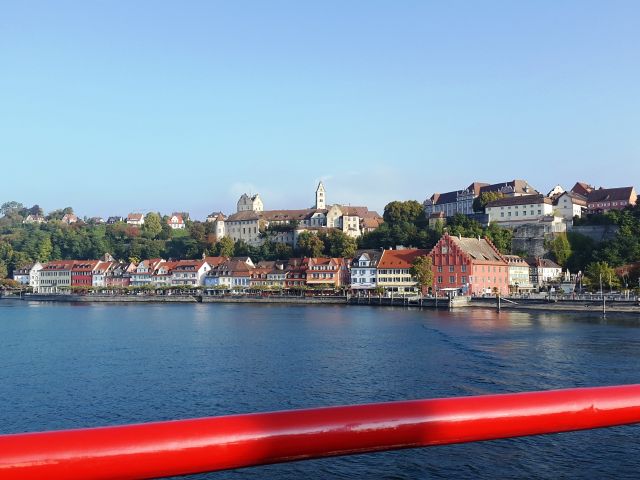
339,244
3,269
582,248
7,208
152,226
480,202
561,249
601,271
283,251
310,245
242,249
500,237
422,270
45,250
224,247
410,211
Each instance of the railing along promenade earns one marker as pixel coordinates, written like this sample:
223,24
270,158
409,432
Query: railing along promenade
183,447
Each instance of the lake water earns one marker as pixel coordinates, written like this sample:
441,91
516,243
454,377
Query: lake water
69,366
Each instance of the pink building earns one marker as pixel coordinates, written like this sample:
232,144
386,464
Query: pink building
469,266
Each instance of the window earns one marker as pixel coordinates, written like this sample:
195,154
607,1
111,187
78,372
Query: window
463,268
452,279
464,279
439,268
439,279
452,268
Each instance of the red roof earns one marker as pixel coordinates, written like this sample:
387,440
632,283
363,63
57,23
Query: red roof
403,258
215,261
58,265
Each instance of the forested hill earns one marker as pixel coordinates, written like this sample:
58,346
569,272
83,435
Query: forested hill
405,224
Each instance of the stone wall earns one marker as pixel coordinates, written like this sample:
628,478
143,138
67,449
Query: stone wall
597,233
530,240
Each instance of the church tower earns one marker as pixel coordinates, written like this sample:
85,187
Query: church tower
321,198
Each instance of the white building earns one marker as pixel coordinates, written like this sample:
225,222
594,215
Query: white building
250,203
144,271
234,273
34,219
254,225
219,225
135,219
99,273
519,270
363,270
569,205
555,192
461,201
69,218
189,272
54,277
515,211
321,197
176,222
28,275
543,271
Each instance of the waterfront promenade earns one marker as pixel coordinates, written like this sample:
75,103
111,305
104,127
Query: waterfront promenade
582,305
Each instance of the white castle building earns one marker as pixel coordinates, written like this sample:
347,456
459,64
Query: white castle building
253,224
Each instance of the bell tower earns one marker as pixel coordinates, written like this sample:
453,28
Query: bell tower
321,198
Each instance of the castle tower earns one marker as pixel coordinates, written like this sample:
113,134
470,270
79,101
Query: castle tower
250,203
321,198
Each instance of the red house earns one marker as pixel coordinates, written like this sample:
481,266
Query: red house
603,200
327,272
82,273
470,266
296,273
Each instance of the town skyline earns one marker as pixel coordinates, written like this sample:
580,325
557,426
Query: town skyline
282,200
112,107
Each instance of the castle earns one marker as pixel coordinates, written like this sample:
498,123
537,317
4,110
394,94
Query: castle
254,225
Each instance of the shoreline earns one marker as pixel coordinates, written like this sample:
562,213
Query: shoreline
525,305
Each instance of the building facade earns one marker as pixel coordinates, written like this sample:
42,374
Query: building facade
469,266
604,200
461,201
364,272
393,273
55,277
569,205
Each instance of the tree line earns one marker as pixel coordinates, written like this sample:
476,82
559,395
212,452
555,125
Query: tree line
404,224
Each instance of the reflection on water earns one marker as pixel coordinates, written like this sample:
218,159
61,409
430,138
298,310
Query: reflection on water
66,366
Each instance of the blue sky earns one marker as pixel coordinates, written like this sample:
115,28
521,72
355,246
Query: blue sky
118,106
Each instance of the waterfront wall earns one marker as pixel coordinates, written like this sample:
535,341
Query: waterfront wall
568,306
280,300
111,298
531,304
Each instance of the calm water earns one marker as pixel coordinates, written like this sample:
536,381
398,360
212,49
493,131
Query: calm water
65,366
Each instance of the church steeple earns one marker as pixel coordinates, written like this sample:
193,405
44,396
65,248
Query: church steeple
321,198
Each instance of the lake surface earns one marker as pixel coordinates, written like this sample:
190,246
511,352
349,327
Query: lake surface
70,366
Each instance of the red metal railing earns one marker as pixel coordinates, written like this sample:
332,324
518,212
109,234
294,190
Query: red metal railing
202,445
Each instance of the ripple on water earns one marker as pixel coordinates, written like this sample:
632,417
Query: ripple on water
65,367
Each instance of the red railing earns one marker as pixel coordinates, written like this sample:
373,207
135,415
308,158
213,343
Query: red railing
181,447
